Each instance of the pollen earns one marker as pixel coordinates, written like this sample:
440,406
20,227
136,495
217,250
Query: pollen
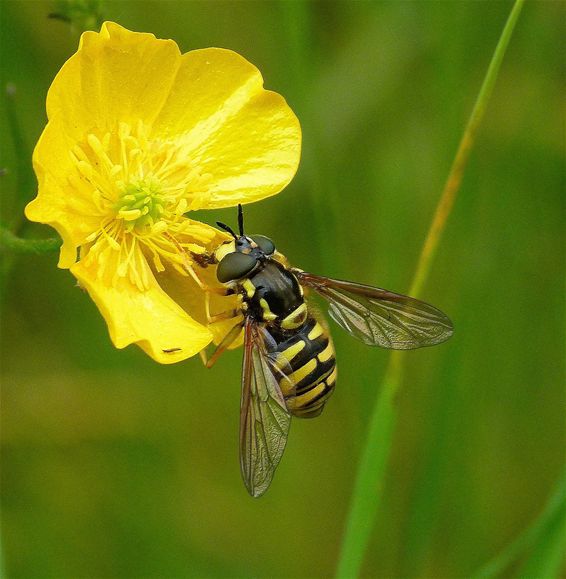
139,189
141,206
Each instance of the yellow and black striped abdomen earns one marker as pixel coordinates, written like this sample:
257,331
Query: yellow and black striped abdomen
308,359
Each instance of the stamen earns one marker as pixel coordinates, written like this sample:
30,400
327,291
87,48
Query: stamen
111,241
159,227
140,189
129,214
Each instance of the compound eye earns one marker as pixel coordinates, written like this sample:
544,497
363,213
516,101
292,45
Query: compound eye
264,243
235,266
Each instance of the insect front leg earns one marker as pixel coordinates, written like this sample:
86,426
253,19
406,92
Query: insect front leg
231,313
204,260
227,341
225,314
215,318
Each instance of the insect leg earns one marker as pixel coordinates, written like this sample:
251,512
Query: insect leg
202,260
228,314
230,338
225,315
221,291
203,357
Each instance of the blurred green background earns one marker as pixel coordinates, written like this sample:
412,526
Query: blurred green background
114,466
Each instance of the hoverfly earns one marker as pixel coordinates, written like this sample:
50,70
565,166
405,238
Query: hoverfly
289,364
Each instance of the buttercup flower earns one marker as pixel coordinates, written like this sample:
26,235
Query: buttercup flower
138,136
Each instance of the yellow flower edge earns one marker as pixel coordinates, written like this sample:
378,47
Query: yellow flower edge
149,319
138,136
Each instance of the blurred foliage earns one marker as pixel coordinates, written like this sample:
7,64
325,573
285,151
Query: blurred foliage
81,15
114,466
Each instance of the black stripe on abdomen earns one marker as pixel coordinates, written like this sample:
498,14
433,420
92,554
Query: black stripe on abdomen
308,359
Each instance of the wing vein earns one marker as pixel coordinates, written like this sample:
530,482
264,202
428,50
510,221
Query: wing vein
379,317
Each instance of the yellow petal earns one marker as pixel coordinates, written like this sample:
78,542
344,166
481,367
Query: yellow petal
116,76
50,208
246,138
69,209
150,318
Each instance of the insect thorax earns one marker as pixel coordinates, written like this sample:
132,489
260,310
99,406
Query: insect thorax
273,295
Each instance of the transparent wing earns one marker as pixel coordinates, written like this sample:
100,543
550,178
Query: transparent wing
379,317
264,419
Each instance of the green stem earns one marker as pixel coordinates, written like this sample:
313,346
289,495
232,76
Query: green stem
12,243
368,487
369,483
554,510
454,180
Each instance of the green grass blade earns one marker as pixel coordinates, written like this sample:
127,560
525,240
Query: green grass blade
367,495
368,487
547,557
545,537
462,154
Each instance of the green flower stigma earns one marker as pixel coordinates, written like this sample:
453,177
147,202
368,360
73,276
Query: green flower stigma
140,206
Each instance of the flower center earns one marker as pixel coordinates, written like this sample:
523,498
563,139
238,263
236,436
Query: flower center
136,191
141,205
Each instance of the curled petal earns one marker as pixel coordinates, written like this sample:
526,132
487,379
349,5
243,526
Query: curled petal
150,318
185,291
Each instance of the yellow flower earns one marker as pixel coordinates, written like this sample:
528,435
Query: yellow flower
138,135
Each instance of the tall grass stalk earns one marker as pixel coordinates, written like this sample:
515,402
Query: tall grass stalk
368,487
546,533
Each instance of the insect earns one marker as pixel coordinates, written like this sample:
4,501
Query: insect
289,364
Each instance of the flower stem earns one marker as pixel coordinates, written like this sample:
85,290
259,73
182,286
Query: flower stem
454,180
25,179
368,487
15,244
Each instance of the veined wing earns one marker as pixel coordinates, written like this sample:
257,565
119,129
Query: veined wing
379,317
264,419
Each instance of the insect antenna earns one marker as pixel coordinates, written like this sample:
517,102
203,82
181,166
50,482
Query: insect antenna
241,219
226,228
